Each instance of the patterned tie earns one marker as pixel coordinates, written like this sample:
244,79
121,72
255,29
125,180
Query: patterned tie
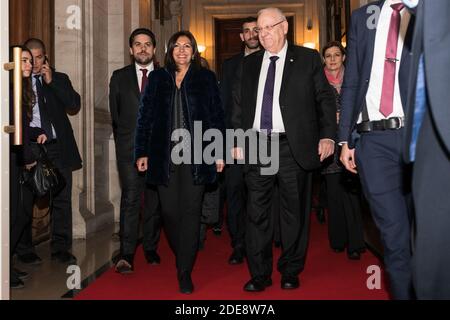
46,125
390,65
144,80
267,104
420,107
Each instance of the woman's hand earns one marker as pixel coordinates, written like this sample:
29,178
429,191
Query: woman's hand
142,164
42,139
220,165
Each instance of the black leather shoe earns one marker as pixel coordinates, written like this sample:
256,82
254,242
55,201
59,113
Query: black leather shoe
16,283
30,258
152,257
289,282
125,265
355,255
338,250
185,282
64,257
320,215
20,274
237,257
258,284
217,231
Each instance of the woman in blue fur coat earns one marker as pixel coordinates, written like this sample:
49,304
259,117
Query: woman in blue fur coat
178,98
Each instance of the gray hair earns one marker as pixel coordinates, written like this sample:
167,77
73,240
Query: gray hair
275,10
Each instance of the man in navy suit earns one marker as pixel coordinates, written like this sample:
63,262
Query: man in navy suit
428,145
372,126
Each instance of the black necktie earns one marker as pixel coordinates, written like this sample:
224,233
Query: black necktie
46,125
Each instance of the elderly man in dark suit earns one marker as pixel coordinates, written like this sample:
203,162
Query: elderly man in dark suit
55,98
428,145
126,87
282,94
372,126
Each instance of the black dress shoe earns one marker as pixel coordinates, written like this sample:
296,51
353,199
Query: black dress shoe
125,265
237,257
16,283
22,275
185,282
289,282
355,255
64,257
30,258
152,257
338,250
258,284
320,215
217,231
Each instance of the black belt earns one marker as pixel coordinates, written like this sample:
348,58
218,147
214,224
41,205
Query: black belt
381,125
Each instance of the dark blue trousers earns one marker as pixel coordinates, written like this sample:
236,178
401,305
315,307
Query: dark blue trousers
385,183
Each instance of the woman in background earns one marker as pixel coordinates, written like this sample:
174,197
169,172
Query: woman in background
345,228
22,158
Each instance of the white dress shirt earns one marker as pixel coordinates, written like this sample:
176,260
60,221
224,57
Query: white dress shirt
373,97
139,74
278,125
411,3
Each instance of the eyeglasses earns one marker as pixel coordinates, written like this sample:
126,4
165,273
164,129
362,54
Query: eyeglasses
268,28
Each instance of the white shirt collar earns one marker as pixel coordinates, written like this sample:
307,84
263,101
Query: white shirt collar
280,54
150,67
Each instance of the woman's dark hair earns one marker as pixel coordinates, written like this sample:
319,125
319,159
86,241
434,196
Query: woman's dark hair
170,61
28,97
333,44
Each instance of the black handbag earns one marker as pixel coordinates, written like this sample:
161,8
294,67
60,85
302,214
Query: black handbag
44,178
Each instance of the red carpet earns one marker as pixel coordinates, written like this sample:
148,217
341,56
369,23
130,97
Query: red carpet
327,276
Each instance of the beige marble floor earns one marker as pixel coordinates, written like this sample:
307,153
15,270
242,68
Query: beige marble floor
49,280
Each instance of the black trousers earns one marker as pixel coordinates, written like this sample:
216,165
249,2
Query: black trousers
345,229
431,185
181,208
234,194
21,203
133,188
383,176
293,183
61,215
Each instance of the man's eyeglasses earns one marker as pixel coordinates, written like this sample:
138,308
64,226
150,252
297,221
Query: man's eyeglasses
268,28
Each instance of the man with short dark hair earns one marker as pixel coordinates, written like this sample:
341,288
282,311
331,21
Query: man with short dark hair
55,97
233,189
126,87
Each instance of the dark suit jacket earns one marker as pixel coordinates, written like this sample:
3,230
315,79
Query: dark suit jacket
432,37
62,98
230,69
360,51
307,103
124,98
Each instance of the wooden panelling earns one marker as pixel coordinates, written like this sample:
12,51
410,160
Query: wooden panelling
32,18
145,13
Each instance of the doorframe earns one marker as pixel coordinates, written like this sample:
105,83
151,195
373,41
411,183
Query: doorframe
4,153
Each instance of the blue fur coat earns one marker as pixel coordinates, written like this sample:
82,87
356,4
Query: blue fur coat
200,101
